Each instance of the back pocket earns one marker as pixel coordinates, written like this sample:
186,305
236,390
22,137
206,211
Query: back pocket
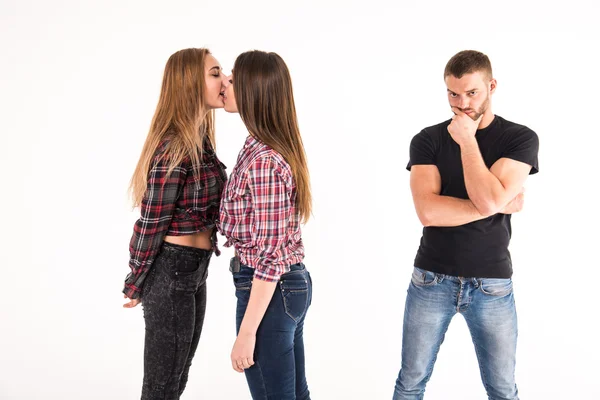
190,275
295,297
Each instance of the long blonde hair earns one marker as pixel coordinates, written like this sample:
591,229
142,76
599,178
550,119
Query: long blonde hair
181,116
265,101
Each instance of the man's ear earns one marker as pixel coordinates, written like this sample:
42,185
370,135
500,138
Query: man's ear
493,84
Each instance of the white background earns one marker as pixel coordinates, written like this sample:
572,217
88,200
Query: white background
79,82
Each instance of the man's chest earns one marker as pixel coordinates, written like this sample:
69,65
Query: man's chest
450,164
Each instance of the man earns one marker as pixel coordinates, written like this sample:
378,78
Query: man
467,177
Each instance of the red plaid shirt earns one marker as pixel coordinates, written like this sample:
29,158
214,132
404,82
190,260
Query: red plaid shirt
258,213
184,203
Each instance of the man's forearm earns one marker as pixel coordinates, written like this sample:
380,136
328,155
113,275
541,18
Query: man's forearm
446,211
485,190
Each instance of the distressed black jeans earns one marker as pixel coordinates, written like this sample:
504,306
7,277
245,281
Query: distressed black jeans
174,302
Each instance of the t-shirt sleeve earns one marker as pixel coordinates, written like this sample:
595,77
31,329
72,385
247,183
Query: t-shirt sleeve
422,150
524,146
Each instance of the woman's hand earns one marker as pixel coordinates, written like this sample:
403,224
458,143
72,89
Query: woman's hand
131,303
242,355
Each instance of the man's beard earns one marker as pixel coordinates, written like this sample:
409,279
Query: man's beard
481,109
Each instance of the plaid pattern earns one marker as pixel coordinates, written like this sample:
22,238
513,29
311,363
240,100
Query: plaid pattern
186,202
258,214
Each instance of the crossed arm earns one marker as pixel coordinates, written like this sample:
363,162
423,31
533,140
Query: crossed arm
492,189
497,190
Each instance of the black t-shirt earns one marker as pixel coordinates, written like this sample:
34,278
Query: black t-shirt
478,249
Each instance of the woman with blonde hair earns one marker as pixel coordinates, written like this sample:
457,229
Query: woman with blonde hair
177,184
264,201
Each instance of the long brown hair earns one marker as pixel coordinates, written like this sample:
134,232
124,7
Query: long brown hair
181,116
265,101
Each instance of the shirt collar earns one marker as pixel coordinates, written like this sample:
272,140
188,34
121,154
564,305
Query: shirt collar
251,142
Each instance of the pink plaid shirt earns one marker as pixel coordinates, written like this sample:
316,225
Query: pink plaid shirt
258,214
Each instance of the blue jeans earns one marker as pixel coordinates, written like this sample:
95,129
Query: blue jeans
488,307
278,371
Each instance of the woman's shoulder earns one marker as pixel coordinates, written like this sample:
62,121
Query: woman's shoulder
168,150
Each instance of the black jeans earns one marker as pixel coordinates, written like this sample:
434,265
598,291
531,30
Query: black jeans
174,302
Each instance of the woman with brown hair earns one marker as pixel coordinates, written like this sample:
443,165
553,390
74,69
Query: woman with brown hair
177,184
266,198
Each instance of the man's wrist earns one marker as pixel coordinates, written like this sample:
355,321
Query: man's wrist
469,146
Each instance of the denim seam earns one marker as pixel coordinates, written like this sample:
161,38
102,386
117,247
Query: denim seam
459,297
479,359
262,379
175,328
434,359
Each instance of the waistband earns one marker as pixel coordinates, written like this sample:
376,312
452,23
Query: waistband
236,266
171,248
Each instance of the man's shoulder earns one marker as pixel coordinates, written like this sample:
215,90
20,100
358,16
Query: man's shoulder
435,131
513,128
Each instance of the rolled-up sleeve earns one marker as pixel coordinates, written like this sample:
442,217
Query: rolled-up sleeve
157,210
271,189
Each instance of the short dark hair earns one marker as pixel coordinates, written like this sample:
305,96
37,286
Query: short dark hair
468,62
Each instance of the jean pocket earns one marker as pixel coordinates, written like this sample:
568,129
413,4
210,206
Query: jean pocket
496,286
295,296
188,281
421,277
243,283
